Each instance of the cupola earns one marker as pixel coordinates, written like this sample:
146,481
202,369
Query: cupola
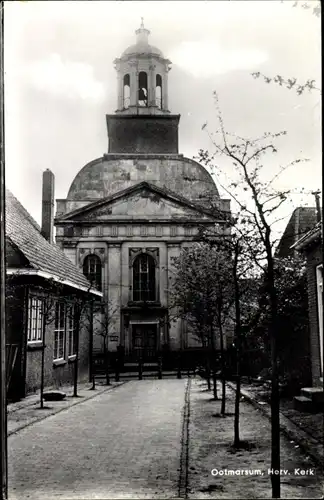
142,73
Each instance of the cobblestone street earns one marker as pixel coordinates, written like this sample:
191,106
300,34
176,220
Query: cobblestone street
122,444
152,439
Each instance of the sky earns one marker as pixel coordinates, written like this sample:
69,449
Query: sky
60,82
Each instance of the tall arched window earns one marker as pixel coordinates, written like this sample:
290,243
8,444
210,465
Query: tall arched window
126,91
158,91
144,278
92,270
142,89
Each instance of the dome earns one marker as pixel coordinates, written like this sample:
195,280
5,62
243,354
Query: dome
106,176
142,48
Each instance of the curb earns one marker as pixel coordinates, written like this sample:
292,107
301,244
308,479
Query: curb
307,444
184,453
59,410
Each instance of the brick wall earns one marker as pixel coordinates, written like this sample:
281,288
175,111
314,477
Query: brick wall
56,376
314,258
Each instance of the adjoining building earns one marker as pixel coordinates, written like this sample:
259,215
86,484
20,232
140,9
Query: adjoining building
130,212
303,236
44,294
311,246
301,221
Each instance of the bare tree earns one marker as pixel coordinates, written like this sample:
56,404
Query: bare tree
292,83
259,210
82,303
201,293
103,317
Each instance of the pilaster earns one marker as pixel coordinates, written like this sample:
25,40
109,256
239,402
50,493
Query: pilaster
175,331
115,287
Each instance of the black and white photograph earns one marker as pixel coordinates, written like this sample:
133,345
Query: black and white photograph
161,250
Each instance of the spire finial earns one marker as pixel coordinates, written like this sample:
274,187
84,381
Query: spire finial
142,32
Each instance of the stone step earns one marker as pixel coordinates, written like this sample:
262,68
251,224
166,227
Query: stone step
303,404
316,394
54,395
145,366
147,374
132,375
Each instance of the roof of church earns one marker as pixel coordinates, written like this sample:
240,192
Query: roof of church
112,173
25,234
164,192
142,46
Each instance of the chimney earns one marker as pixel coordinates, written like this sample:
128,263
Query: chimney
48,206
318,206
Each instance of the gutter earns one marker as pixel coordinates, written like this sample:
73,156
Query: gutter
312,236
46,275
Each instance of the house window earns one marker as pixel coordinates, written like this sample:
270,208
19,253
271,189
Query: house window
158,91
144,278
35,319
126,91
59,332
70,330
92,270
319,283
142,89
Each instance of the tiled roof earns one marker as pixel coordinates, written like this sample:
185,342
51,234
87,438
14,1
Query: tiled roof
311,236
24,233
302,220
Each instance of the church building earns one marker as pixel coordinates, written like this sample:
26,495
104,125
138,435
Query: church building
130,212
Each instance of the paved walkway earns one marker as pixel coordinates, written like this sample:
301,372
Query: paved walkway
27,411
124,443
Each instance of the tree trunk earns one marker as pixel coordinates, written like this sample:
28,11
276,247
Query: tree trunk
238,348
223,406
208,371
213,362
106,359
215,383
238,381
275,415
275,402
91,367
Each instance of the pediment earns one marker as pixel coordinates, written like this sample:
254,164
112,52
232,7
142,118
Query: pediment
142,203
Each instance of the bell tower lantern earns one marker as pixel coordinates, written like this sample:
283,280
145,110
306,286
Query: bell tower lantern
142,123
142,75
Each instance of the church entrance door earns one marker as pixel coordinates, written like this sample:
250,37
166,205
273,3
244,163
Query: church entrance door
145,341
